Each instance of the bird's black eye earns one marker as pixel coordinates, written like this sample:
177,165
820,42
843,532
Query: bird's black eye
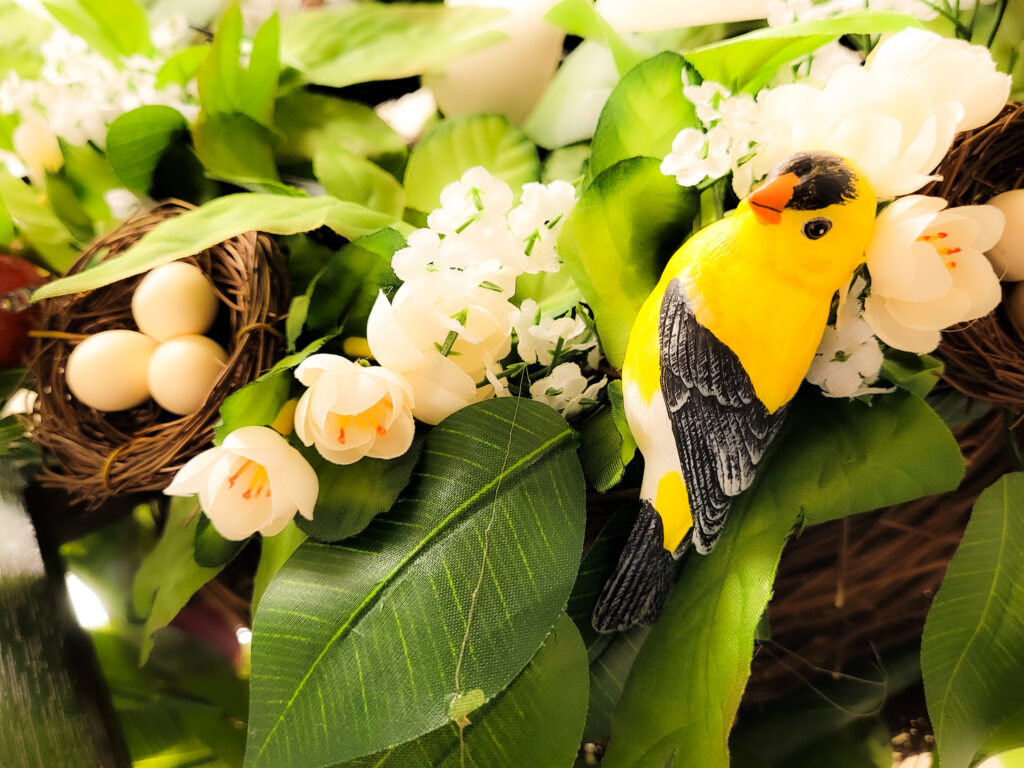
815,229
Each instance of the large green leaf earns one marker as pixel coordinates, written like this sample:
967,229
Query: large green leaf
748,62
138,139
350,177
274,552
617,239
372,41
644,113
169,575
536,721
219,220
580,17
37,223
457,145
312,122
115,28
973,640
684,690
449,594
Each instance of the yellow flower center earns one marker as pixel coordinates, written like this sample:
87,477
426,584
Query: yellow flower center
259,482
372,418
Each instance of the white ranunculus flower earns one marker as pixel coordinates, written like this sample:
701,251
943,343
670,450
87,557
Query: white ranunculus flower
509,77
928,270
944,70
254,481
566,389
849,358
350,411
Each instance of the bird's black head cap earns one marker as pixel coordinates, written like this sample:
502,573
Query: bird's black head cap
825,179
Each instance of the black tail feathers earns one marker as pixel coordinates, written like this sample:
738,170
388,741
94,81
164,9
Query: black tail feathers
637,590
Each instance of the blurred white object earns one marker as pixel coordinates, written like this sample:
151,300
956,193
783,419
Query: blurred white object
647,15
509,77
409,113
86,604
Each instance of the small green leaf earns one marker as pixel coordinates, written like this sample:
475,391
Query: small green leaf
296,320
274,552
973,639
221,219
539,718
349,177
211,549
601,450
37,223
479,554
684,690
352,495
255,404
115,28
580,18
61,197
181,67
644,113
566,164
619,413
617,240
372,41
917,374
169,575
746,63
457,145
611,659
138,139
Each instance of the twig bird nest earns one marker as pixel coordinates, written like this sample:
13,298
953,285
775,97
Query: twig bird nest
94,455
985,358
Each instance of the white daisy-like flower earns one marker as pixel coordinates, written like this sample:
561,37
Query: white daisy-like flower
538,220
697,156
477,200
539,336
566,390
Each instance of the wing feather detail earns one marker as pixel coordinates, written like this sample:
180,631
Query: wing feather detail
721,429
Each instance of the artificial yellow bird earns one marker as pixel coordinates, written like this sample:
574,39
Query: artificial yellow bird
717,351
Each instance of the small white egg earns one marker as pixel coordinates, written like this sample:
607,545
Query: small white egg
182,371
1007,256
176,299
109,371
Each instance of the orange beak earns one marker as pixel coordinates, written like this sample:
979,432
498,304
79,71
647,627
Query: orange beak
768,200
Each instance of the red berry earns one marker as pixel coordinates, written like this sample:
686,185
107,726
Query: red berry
16,273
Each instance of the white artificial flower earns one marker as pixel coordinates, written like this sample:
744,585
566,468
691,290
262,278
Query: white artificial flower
37,147
122,202
477,200
783,12
254,481
349,411
928,270
944,70
506,78
566,389
849,357
696,156
539,336
537,221
707,98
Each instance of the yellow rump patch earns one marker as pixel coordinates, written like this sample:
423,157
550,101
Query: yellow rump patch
672,502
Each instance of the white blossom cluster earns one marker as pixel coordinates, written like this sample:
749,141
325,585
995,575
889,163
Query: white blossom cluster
79,92
894,117
449,327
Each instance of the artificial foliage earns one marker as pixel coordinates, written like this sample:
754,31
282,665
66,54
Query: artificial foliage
446,371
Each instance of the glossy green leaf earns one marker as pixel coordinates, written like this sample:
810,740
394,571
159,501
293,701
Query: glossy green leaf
457,145
570,106
344,46
115,28
169,575
211,549
643,114
973,639
580,18
274,552
219,220
182,66
254,404
138,139
917,374
686,685
37,223
313,122
536,721
617,239
606,445
450,593
746,63
351,495
349,177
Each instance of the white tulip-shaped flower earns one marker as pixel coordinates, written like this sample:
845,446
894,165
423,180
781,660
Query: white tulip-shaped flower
349,411
928,270
944,69
253,481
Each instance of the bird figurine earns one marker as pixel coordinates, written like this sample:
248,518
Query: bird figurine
716,353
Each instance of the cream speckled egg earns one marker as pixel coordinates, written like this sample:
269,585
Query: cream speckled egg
176,299
109,371
182,371
1007,256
